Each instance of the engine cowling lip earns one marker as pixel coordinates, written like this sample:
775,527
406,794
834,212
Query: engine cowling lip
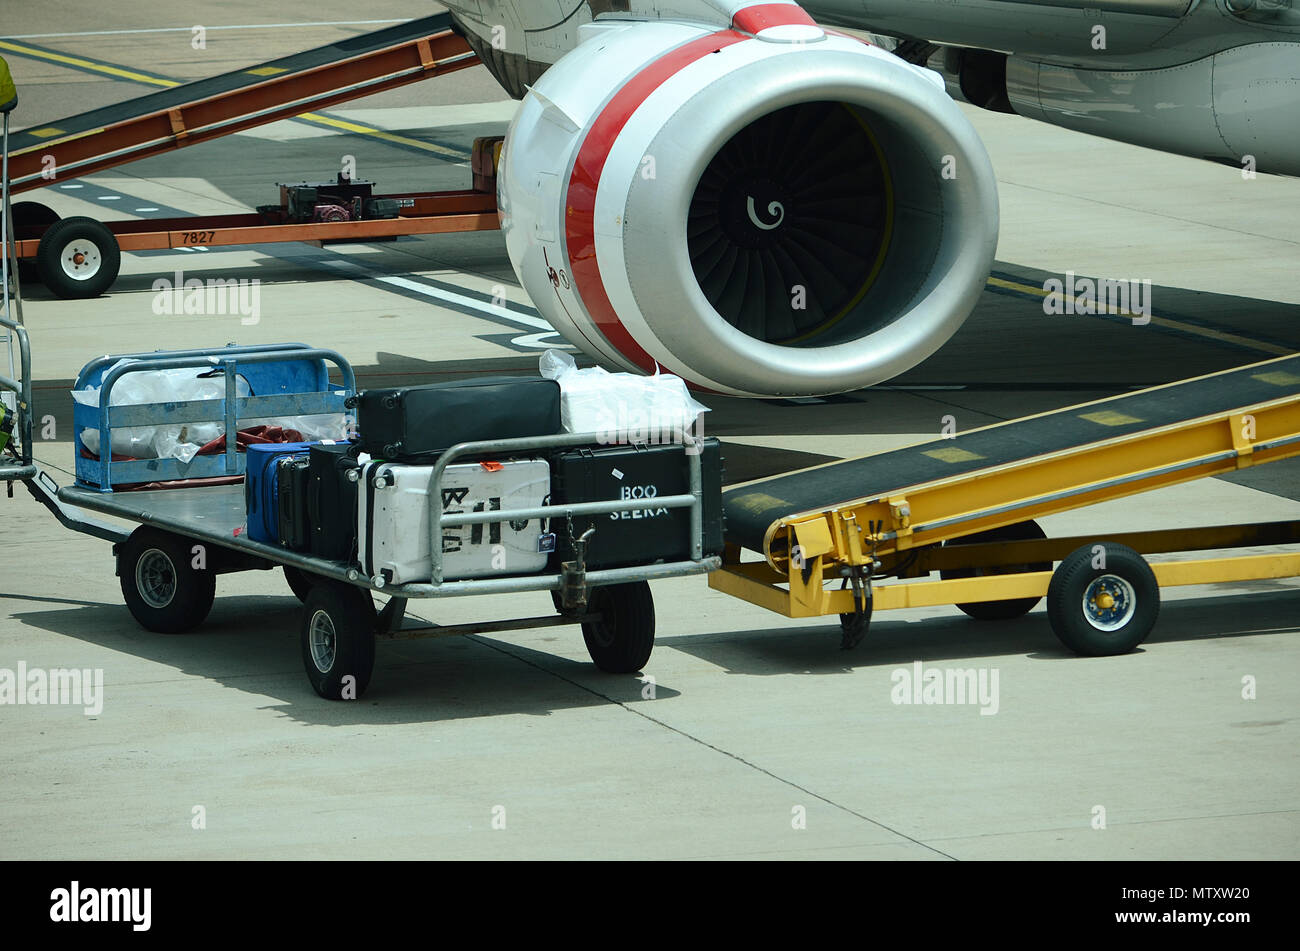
884,88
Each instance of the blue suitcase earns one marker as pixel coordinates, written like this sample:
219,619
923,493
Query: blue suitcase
262,490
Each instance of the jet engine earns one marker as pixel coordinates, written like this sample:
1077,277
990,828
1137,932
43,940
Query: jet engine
766,210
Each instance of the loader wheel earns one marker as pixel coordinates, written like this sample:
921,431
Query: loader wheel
163,590
78,258
1104,599
1000,610
31,218
621,641
338,639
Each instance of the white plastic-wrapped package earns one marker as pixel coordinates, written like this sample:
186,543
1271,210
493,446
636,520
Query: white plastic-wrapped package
621,407
183,440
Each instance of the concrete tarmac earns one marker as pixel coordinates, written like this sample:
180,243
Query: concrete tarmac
749,735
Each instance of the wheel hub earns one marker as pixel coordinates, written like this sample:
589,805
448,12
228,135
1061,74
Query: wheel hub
155,578
323,642
80,260
1109,603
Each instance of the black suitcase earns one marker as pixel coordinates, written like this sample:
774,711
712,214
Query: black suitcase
332,501
641,536
291,486
411,424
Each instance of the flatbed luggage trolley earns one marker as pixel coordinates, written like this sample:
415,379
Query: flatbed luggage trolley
186,536
868,534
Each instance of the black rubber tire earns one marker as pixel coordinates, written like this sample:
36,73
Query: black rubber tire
89,232
27,215
621,641
176,596
854,627
1070,584
347,615
1000,610
300,582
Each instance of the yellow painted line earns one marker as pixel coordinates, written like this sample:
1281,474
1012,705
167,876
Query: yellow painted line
266,71
87,64
1277,378
382,135
45,133
1207,332
952,454
1013,286
1109,418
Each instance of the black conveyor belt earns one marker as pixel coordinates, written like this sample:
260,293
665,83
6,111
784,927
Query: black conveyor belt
205,88
753,508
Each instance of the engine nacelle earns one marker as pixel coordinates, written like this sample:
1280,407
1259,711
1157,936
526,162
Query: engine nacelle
795,213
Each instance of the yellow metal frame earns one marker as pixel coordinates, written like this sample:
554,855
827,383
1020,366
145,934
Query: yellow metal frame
901,532
1043,485
758,584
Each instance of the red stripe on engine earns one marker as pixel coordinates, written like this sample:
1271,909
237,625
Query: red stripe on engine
757,18
580,202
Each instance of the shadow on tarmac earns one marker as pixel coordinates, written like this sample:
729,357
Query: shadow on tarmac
890,643
251,644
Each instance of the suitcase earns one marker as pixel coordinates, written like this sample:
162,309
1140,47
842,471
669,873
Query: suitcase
644,535
403,425
291,482
332,501
261,492
393,520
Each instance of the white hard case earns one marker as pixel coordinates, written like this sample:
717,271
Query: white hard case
393,520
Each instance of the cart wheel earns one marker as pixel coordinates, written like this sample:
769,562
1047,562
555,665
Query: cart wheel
78,258
159,583
1000,610
621,641
338,639
300,582
1103,610
30,216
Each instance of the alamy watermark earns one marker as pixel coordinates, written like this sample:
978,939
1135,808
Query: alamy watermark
80,904
946,686
240,297
36,686
651,429
1083,295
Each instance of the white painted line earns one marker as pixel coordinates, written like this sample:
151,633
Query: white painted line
146,209
523,320
110,197
533,341
187,29
71,186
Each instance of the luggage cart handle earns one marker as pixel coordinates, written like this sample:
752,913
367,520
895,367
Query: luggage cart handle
108,360
216,359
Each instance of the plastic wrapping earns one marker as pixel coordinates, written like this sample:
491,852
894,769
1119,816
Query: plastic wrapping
183,440
622,407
